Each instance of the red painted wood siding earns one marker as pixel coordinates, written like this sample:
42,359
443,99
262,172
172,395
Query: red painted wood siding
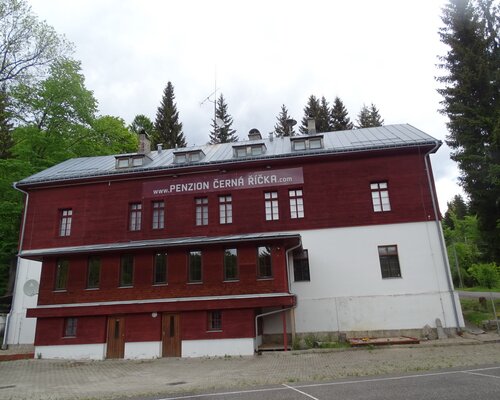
336,194
237,323
178,286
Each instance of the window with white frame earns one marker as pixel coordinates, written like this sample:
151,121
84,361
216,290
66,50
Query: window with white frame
201,211
214,321
70,327
296,203
135,216
380,196
66,218
271,206
225,210
158,214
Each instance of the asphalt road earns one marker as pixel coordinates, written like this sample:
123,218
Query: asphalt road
476,295
482,382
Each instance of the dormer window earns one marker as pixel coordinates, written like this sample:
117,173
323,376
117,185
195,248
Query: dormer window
131,160
249,150
307,143
188,156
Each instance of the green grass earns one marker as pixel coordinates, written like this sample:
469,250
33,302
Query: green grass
334,345
476,313
480,289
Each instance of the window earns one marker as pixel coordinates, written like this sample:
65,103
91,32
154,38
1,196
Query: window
62,269
296,203
135,217
380,197
301,266
257,150
230,265
389,261
94,272
65,225
265,269
194,274
122,163
249,150
225,210
160,268
240,152
70,327
310,143
201,211
215,321
188,156
137,161
271,202
158,214
126,271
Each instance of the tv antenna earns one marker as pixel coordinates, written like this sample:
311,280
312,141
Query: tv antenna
218,123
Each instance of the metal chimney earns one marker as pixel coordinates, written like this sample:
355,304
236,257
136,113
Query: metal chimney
159,147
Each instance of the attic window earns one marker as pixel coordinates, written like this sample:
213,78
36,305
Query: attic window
188,156
250,150
131,160
311,143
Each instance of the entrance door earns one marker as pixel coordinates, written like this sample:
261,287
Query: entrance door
116,337
170,335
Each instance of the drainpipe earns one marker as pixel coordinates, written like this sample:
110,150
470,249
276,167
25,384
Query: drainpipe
440,234
292,311
21,238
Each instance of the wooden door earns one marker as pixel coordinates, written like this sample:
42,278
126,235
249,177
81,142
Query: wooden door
170,335
116,337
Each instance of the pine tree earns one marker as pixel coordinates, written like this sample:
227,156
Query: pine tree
369,117
167,126
323,123
311,110
339,117
457,207
222,133
471,102
282,128
6,141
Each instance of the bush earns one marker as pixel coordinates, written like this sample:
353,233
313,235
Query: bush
486,275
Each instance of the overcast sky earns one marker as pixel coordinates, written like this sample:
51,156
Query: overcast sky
262,54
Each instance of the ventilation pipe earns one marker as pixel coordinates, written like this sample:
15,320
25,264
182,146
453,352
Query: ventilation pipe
159,147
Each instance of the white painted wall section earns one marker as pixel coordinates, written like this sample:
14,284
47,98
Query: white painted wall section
22,329
72,352
142,350
218,347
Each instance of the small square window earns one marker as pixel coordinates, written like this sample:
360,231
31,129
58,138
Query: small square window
122,163
137,162
240,151
180,158
315,143
257,150
299,145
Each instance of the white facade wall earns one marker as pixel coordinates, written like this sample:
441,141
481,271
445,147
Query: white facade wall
142,350
72,351
21,330
218,347
347,293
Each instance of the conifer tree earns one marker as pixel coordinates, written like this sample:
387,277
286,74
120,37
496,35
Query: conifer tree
323,123
311,110
168,129
6,141
339,117
369,117
471,102
282,128
222,131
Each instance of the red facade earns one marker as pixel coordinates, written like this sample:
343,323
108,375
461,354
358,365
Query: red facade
336,193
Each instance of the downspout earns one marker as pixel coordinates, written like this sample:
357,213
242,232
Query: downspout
440,234
287,253
21,238
289,273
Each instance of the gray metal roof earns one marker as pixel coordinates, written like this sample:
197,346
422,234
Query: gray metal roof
383,137
157,243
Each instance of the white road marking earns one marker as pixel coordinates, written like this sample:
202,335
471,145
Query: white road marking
301,392
478,374
285,387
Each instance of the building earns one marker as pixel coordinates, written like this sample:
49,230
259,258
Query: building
215,249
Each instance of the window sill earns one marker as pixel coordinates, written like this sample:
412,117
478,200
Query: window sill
126,287
270,278
195,283
159,284
231,280
92,288
69,337
214,330
60,290
392,277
